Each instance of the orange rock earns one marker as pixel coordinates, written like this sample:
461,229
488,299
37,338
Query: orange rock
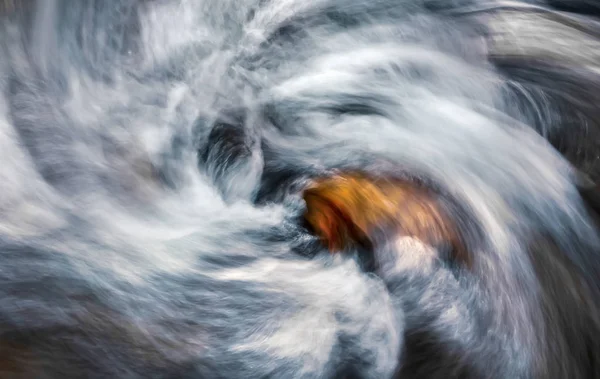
352,208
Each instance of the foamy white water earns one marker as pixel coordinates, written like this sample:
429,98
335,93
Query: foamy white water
154,263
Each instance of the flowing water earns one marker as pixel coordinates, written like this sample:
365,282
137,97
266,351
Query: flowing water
152,260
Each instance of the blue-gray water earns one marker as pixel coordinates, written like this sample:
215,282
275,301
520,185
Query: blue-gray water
126,253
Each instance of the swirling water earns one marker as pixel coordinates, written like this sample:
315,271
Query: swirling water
150,262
